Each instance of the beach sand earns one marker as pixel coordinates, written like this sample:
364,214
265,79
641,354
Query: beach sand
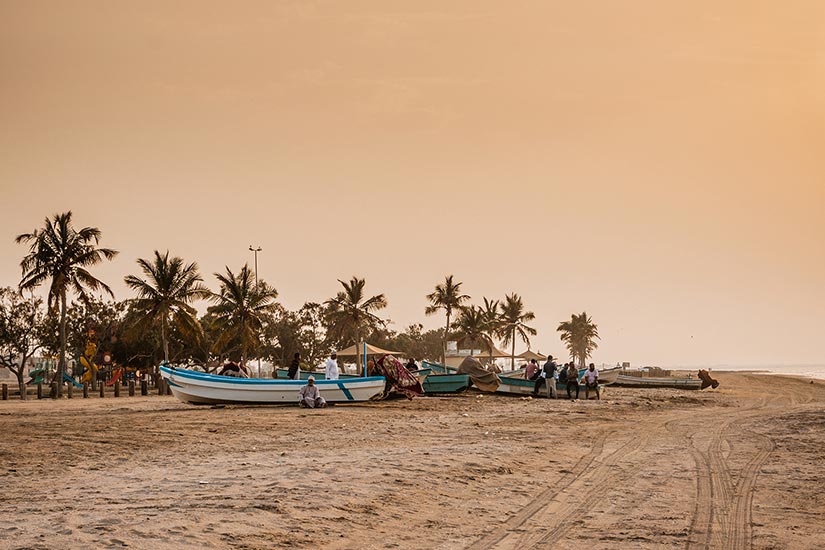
736,467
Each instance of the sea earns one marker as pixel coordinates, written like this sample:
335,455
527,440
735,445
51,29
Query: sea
808,371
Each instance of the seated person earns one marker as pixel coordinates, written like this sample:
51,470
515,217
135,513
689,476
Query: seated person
230,368
310,396
411,365
591,381
531,371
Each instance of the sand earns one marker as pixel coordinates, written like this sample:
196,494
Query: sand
737,467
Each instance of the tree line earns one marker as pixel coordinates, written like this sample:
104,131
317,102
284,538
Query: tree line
243,318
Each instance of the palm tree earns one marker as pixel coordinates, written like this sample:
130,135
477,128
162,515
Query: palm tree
166,294
492,316
61,254
447,296
350,316
580,335
513,324
472,326
242,306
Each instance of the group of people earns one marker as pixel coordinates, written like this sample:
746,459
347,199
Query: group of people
551,374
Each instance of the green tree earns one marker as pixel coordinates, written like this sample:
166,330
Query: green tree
472,328
350,316
165,294
492,316
446,296
513,324
241,309
59,255
20,321
579,335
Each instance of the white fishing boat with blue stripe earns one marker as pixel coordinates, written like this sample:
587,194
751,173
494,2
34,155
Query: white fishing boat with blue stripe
208,389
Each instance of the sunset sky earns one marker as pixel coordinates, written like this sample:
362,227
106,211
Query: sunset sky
660,165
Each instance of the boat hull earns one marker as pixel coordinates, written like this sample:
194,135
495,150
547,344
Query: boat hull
283,374
522,386
446,383
609,376
199,388
641,382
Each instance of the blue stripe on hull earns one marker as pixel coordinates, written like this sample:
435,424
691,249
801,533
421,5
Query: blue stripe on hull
344,389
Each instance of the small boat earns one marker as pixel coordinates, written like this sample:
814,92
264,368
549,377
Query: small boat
201,388
522,386
438,368
447,383
645,382
609,376
283,374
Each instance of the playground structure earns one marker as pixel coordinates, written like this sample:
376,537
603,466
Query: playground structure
37,376
87,360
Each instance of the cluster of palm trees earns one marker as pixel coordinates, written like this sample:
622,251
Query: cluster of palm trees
60,256
481,325
478,326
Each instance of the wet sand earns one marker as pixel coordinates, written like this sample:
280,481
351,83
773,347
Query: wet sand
736,467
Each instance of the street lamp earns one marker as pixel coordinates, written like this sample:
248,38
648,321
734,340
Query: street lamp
255,250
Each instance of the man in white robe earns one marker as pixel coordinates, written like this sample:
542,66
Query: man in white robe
331,367
309,396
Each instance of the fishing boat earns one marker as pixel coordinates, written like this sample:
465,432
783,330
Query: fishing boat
283,374
439,380
645,382
446,383
522,386
609,376
201,388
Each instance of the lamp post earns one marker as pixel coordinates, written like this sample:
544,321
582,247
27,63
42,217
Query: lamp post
255,250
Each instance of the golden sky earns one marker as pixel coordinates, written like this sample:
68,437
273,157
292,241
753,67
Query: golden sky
658,164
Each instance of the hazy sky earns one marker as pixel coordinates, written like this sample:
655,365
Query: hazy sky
657,164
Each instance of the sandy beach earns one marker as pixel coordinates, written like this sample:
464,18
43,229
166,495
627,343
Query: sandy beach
737,467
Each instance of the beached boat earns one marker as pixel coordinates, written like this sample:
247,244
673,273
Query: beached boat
446,383
645,382
283,374
201,388
438,368
522,386
608,376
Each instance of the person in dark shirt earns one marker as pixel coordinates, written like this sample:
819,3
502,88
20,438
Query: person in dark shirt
294,372
572,380
411,365
550,377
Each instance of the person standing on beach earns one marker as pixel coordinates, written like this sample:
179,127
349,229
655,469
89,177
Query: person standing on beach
310,396
294,372
331,367
550,377
572,380
591,380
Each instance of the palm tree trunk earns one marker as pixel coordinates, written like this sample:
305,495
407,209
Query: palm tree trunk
163,339
358,364
61,367
444,347
513,351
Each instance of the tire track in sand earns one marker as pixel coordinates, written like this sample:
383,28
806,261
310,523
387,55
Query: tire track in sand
541,500
591,477
723,509
740,532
